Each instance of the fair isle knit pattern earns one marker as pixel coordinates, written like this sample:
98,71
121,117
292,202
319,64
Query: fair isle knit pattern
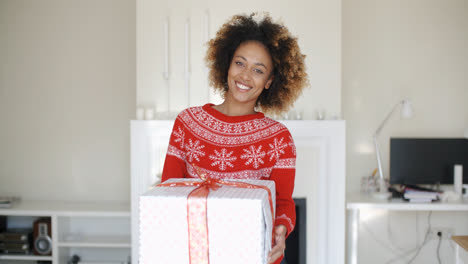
240,147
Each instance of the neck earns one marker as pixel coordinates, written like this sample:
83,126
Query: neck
234,109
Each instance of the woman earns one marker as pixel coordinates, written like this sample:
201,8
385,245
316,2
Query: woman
257,66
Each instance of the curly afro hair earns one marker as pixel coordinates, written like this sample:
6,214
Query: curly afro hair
290,76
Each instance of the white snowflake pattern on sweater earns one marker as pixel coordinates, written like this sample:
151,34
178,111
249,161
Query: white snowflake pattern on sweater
194,150
277,148
253,156
179,137
223,159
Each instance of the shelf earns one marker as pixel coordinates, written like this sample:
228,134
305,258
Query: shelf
67,208
98,242
93,230
24,257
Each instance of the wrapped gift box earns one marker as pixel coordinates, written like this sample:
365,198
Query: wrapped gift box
239,224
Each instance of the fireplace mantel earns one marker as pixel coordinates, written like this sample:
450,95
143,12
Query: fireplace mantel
320,178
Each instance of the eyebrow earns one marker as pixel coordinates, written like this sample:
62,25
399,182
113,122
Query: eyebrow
257,63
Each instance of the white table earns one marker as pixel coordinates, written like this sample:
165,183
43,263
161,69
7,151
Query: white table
461,249
357,202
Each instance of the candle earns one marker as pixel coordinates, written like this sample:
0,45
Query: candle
149,114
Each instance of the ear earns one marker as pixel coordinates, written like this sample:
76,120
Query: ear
270,80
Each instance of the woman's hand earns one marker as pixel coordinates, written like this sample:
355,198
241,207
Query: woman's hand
280,244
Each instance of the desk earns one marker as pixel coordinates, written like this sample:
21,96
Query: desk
461,250
357,202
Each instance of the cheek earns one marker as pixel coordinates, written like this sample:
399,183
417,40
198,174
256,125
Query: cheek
230,75
232,70
262,82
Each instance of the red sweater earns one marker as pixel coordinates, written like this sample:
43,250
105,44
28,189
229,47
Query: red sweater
235,147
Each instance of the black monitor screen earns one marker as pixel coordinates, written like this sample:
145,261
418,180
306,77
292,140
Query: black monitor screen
427,160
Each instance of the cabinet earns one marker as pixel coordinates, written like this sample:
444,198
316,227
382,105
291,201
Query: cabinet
95,231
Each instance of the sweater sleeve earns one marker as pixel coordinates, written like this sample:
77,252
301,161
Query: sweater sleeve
174,165
283,174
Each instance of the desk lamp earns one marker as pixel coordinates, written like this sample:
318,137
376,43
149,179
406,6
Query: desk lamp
406,113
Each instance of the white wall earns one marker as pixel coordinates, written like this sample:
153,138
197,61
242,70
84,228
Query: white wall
316,23
67,93
392,50
398,49
67,86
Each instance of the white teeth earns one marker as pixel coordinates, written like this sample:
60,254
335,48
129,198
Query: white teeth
242,87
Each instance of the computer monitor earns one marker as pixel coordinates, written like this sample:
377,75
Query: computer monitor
427,160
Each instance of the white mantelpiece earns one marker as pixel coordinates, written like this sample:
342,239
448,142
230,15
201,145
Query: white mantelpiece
320,178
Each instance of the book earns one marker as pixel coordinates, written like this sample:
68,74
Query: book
420,200
419,194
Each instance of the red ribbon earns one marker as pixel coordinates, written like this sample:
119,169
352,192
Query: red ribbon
197,218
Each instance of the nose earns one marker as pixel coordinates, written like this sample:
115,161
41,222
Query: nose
245,74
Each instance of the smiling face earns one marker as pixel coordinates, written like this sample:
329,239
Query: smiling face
249,73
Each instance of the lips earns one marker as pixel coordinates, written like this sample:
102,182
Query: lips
243,87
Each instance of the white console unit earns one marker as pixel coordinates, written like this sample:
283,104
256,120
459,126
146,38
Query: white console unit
95,231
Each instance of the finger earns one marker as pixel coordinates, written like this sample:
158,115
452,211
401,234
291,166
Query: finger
280,232
280,245
275,256
277,248
276,252
280,240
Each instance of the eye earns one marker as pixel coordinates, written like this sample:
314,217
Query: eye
239,63
258,71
